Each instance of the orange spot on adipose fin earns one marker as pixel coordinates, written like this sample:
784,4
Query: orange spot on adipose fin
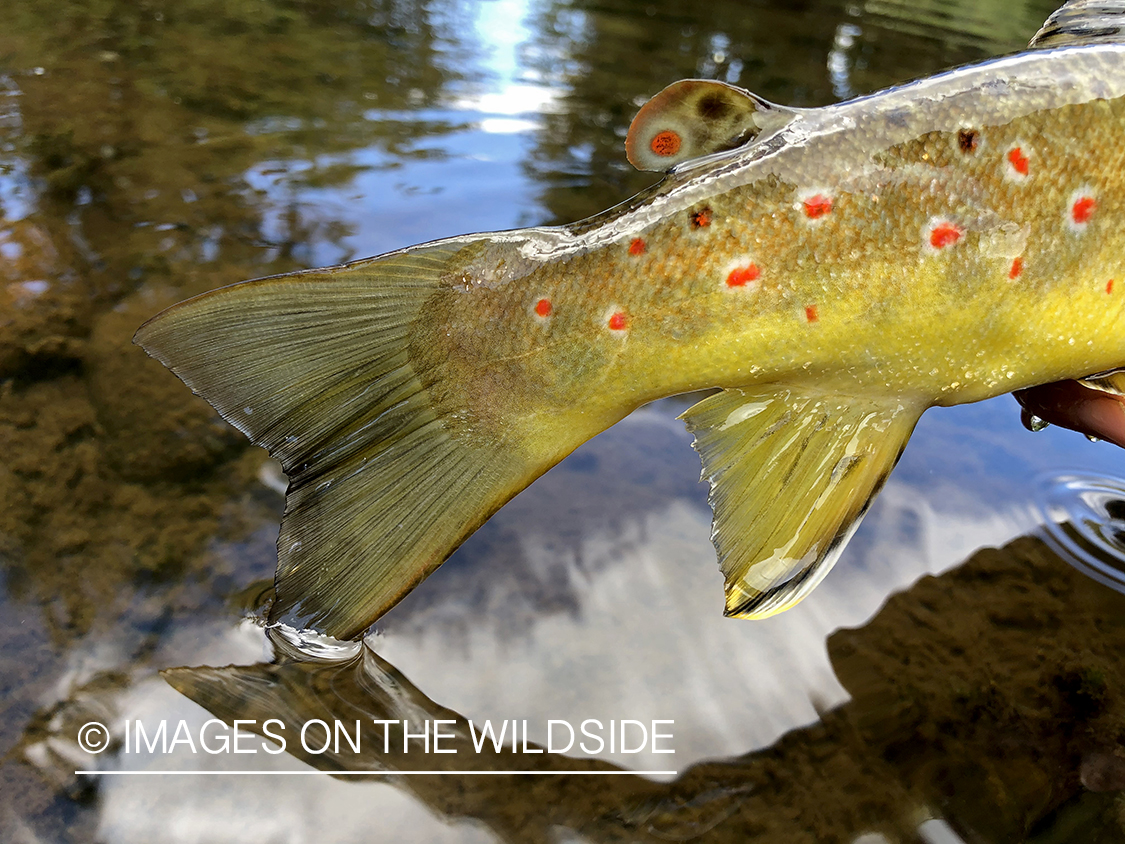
665,143
637,247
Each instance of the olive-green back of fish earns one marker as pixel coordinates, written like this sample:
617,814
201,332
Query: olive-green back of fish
834,271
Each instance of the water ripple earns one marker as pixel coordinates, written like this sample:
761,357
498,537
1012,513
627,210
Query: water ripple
1084,522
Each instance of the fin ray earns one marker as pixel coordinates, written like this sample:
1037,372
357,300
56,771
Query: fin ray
316,368
1082,22
791,474
1111,382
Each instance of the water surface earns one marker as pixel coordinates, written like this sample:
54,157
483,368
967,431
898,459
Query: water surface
150,152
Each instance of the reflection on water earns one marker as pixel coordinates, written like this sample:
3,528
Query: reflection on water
955,711
149,152
1084,521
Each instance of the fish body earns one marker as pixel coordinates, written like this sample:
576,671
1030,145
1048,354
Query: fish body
950,240
834,273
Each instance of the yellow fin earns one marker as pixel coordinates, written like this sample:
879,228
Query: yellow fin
1081,23
316,368
791,474
696,117
1112,382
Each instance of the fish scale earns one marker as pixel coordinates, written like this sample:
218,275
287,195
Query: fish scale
832,272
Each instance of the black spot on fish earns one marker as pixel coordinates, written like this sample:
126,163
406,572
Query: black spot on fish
712,106
701,218
967,140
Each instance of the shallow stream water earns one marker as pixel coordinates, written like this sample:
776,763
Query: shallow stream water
927,691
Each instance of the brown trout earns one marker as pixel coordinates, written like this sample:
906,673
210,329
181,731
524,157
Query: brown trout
832,271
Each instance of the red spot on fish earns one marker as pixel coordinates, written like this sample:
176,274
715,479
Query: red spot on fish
637,247
944,234
1109,286
665,143
1018,161
817,206
701,218
811,314
1017,268
1083,209
618,321
741,276
543,308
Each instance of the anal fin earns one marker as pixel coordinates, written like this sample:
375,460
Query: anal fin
791,471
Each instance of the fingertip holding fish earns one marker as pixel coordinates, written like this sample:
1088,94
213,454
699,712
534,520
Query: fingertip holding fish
1103,417
1082,406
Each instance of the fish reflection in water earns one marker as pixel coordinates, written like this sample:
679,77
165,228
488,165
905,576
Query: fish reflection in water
990,696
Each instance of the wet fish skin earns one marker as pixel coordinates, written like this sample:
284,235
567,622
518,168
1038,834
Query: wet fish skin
887,302
934,244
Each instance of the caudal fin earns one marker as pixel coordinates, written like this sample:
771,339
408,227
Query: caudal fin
316,368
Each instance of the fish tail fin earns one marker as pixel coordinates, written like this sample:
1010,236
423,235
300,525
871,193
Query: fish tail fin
321,368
